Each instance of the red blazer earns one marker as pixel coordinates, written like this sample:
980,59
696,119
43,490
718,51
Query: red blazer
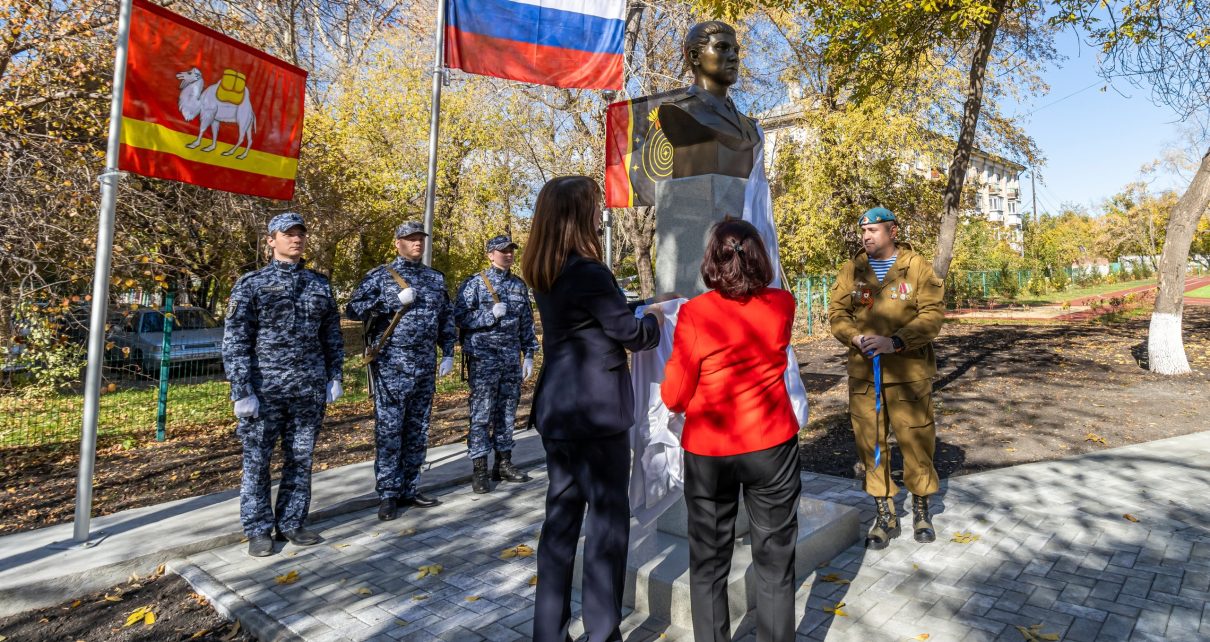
726,373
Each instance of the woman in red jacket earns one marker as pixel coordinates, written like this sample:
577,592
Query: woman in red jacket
726,373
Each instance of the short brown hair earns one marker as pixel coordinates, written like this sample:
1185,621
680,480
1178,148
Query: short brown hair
736,262
562,224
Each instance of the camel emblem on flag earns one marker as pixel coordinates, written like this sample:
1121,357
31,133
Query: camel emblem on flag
226,101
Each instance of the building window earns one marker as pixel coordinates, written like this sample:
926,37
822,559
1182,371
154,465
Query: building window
995,203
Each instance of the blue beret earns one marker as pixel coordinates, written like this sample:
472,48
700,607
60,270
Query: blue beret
876,215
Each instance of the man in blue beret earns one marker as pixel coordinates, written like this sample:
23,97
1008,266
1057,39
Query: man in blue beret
887,303
283,354
498,340
408,315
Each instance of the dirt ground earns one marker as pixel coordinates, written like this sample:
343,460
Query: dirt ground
1006,394
178,612
1012,394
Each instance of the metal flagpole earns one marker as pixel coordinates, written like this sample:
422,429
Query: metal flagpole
430,196
100,285
608,221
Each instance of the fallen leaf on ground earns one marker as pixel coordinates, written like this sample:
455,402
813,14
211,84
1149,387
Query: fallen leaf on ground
472,598
199,634
1130,518
233,632
1095,438
837,610
159,570
1035,634
922,636
431,569
73,605
142,614
399,622
363,591
341,546
288,578
419,596
408,531
965,538
835,579
533,581
113,598
520,550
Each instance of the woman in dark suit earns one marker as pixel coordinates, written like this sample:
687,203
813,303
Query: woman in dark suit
583,408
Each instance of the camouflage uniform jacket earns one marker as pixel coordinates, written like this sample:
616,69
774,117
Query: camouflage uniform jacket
485,335
282,335
428,322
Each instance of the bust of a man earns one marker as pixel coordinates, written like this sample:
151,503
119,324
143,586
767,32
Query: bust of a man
708,134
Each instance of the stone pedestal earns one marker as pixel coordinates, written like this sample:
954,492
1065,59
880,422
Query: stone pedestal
685,208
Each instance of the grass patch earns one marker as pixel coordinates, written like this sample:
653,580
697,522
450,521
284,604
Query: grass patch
1078,293
28,420
1200,293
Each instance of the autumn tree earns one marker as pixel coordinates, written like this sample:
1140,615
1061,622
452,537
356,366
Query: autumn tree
1164,45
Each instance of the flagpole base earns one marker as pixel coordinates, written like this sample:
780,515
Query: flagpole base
73,545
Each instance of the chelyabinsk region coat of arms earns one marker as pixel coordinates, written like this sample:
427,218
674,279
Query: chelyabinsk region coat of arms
226,101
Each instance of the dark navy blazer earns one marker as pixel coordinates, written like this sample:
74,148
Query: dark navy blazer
584,390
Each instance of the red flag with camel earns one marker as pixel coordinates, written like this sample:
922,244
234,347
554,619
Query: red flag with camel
203,108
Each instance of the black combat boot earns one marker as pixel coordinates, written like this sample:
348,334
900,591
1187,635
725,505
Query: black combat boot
388,509
922,524
260,545
504,470
299,537
886,525
479,476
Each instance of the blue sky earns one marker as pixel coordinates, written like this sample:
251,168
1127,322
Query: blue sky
1094,142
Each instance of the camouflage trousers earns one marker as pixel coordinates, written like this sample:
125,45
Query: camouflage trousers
401,434
294,421
495,390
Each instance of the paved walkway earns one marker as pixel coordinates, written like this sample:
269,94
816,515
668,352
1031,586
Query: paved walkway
1046,544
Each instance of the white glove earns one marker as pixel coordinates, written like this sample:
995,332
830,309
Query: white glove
527,368
499,310
335,391
247,407
446,367
407,296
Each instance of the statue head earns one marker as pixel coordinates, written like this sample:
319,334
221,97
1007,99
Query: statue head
712,52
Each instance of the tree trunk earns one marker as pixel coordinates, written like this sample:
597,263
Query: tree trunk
638,224
1165,345
966,141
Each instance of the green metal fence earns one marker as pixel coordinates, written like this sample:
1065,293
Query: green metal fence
145,389
812,293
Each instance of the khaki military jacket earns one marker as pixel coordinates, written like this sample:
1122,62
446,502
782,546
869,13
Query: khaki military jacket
907,304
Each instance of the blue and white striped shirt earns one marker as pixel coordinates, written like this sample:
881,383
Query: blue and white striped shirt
882,266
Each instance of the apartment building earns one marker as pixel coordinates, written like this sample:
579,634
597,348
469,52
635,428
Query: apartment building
995,179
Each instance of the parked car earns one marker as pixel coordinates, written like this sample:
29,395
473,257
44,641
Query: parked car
629,285
137,337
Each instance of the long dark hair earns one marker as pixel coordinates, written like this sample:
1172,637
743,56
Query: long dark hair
736,263
563,223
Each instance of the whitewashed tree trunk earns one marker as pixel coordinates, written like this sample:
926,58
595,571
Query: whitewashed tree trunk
1165,345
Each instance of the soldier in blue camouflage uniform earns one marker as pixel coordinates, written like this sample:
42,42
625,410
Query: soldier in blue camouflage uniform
497,326
283,353
402,373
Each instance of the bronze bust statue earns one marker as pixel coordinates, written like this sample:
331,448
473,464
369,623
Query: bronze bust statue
708,134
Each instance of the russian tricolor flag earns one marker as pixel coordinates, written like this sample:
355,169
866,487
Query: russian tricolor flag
563,43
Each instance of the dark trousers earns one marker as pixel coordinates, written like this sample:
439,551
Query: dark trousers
770,482
593,475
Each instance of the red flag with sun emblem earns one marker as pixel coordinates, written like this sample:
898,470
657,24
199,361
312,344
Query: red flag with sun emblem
203,108
637,153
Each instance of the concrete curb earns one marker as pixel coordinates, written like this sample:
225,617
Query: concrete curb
233,607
